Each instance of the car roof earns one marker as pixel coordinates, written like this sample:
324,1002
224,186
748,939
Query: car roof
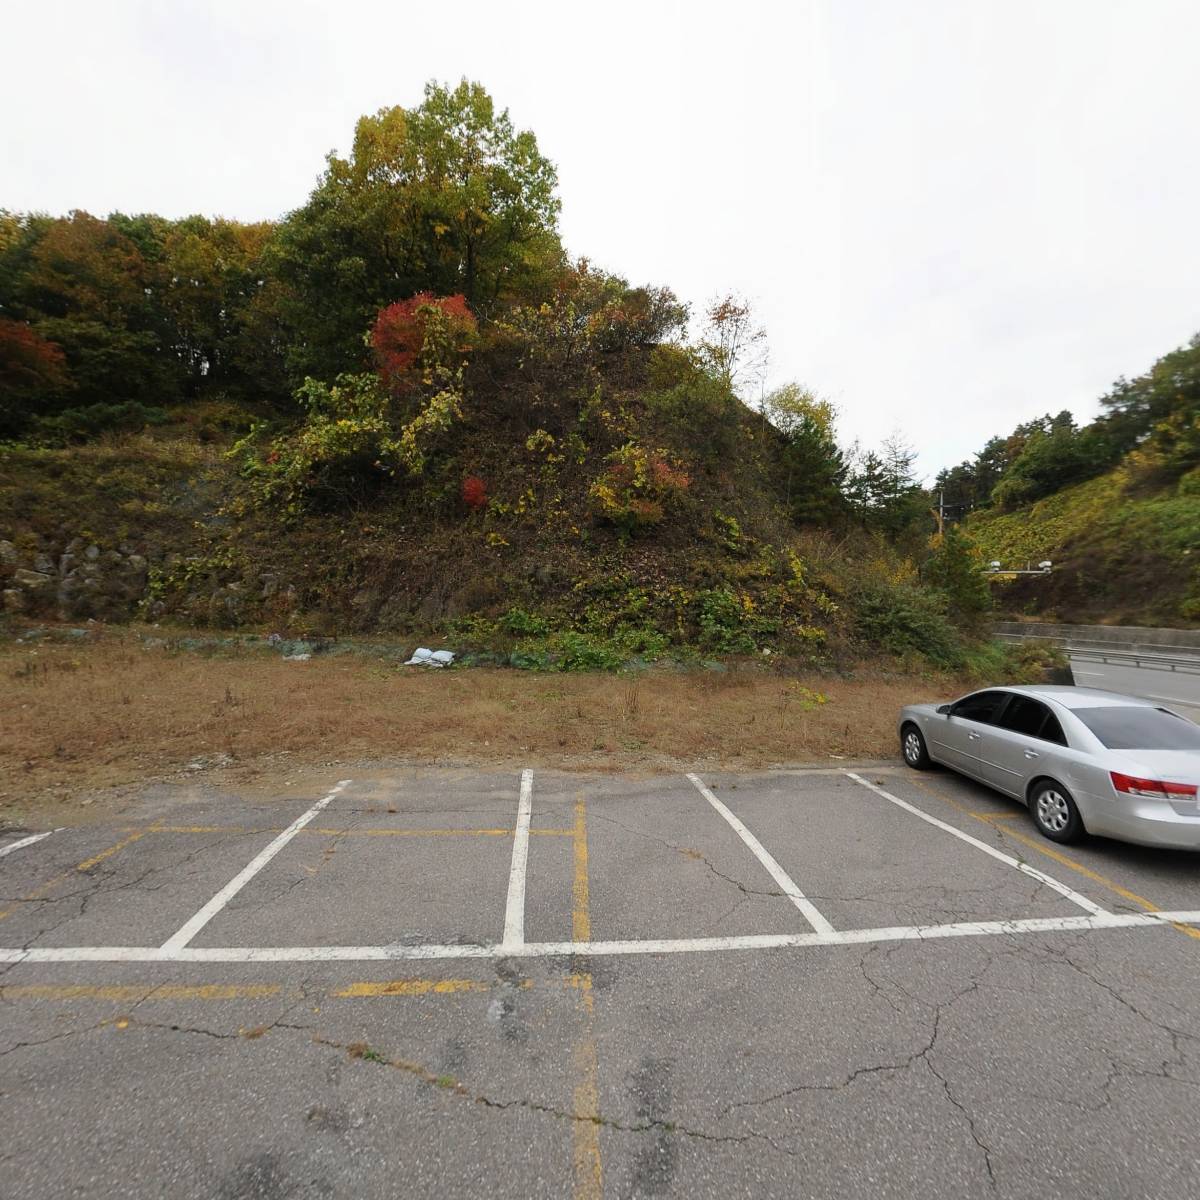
1079,697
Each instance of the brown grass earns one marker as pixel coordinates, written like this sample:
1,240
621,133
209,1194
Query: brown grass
76,719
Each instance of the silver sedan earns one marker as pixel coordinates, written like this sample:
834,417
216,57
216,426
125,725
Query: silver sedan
1082,760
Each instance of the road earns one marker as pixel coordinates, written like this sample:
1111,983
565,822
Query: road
1177,689
528,984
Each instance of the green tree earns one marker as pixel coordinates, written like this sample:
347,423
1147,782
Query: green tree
954,567
884,490
446,198
815,468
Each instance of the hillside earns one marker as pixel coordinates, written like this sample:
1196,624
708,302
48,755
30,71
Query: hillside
1122,554
405,409
1113,504
628,508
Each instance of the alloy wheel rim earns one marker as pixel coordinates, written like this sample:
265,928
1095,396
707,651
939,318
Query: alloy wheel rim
912,747
1053,811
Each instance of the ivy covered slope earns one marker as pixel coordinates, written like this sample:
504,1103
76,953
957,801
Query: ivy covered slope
1115,505
1124,552
404,409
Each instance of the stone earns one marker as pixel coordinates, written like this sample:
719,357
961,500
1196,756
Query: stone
44,563
8,554
30,579
92,552
14,600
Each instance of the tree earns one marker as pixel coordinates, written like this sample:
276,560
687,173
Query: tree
733,344
445,198
33,372
85,285
954,567
883,488
815,466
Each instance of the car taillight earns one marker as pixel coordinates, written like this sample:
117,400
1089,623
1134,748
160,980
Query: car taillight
1152,789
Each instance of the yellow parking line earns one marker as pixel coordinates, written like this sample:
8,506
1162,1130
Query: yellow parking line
89,863
588,1168
121,992
40,893
418,987
1057,855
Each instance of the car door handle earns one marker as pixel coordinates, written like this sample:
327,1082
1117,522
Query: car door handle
972,737
1032,754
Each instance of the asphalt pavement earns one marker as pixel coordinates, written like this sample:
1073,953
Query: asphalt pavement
1176,689
821,983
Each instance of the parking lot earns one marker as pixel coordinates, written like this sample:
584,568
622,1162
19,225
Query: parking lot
806,983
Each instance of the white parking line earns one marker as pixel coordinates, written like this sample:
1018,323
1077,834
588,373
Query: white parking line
27,841
661,946
514,909
781,877
1062,889
177,941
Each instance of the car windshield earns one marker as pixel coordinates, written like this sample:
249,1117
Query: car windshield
1140,728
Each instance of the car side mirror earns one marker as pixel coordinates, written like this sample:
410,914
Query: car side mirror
944,709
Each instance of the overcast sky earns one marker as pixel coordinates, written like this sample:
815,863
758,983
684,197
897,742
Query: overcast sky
950,216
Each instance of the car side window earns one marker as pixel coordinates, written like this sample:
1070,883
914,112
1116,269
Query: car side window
981,707
1033,719
1024,715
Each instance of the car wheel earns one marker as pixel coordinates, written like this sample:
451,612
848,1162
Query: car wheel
912,747
1054,812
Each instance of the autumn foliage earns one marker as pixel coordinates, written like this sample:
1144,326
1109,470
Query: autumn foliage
399,333
27,360
474,492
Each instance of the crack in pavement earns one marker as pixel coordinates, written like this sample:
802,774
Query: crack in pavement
689,852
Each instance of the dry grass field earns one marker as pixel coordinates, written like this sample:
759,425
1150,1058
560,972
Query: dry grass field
81,722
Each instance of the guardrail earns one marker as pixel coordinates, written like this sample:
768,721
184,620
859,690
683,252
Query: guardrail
1163,662
1130,656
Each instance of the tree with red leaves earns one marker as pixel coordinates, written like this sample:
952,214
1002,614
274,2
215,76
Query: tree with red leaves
399,335
32,370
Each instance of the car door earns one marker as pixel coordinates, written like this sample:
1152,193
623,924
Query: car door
964,726
1013,750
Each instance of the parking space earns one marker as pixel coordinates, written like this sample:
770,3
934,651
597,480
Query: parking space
530,983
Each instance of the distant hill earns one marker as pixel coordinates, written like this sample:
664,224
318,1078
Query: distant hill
1123,552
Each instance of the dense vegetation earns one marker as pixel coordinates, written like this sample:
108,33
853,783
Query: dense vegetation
405,407
1115,504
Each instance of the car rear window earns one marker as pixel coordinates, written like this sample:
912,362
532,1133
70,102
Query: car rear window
1140,728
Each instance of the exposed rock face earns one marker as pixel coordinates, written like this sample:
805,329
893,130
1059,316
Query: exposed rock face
83,581
77,579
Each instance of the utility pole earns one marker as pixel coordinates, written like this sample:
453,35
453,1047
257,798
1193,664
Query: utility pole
939,513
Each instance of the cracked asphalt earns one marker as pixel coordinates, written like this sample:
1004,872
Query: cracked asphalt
1048,1064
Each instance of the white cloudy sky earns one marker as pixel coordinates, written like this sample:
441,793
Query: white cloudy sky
951,215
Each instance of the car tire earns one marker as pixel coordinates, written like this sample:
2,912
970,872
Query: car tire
912,749
1054,812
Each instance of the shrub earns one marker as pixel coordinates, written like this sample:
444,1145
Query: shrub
725,623
81,424
521,623
902,619
474,492
403,336
636,489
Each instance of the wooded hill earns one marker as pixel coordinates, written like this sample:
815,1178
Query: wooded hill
1114,504
405,408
